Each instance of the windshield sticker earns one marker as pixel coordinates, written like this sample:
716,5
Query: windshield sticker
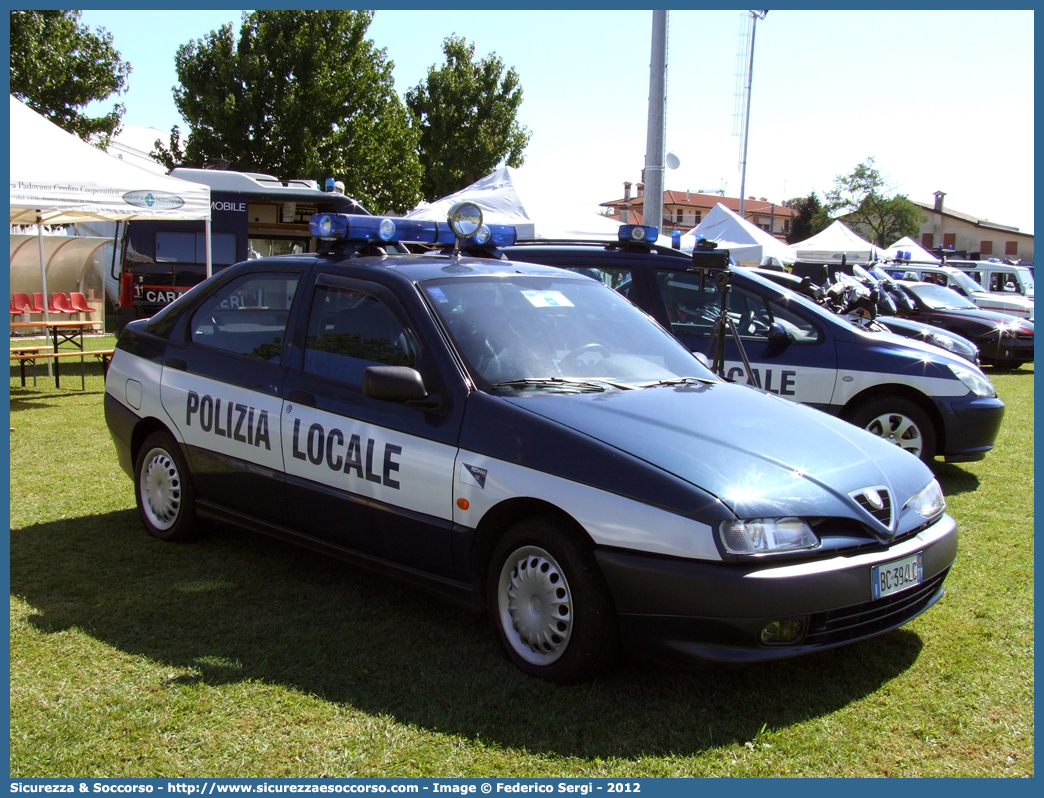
438,295
547,299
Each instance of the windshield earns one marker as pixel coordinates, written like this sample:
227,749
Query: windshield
965,281
937,297
567,334
1026,277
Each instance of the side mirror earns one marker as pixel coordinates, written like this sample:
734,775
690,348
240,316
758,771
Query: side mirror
393,384
778,335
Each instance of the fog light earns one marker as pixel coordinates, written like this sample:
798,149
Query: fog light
780,632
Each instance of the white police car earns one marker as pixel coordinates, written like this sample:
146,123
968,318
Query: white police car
924,399
521,438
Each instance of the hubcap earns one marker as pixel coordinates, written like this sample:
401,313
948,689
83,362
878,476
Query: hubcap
898,429
160,489
536,607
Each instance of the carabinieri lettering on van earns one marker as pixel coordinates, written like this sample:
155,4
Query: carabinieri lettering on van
321,445
242,423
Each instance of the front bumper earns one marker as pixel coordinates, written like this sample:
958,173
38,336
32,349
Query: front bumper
970,426
687,610
1005,350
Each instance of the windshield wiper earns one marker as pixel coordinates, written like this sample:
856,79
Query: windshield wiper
563,383
679,381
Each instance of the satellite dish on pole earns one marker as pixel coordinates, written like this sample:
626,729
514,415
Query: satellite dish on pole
673,161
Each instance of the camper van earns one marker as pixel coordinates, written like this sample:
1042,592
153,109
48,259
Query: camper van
252,216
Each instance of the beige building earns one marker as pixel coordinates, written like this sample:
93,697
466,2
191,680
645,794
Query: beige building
683,210
977,239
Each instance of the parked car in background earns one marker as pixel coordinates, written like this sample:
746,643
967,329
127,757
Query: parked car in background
1003,340
888,323
918,396
965,284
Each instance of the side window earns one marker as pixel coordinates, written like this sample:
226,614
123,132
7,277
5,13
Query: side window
694,309
247,316
175,246
349,330
617,279
802,329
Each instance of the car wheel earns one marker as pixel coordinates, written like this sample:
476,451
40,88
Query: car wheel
163,490
899,421
549,603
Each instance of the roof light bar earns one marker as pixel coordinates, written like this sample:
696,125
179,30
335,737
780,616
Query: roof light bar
354,227
497,235
638,233
382,229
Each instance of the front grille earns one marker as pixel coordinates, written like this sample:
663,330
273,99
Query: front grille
871,617
882,515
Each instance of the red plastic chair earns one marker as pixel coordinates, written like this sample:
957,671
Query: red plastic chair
78,302
18,303
38,303
60,304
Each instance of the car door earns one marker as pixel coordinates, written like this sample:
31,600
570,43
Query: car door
222,387
366,474
802,368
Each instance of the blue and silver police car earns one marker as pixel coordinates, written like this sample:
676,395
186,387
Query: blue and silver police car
522,439
924,399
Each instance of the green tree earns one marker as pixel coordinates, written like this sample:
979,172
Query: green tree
811,218
862,200
298,94
466,112
58,66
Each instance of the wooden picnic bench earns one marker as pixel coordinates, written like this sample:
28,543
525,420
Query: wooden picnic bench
31,354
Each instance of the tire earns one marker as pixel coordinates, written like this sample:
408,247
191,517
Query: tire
163,490
549,603
900,421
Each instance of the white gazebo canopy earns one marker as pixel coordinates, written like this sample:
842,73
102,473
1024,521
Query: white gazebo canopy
746,242
58,179
511,196
915,251
835,242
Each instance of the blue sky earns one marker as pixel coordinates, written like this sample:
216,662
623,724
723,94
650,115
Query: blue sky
944,100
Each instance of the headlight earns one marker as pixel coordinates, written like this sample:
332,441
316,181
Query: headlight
941,340
766,535
929,502
974,381
1010,327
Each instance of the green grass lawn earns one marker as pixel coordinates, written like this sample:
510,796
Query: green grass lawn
242,656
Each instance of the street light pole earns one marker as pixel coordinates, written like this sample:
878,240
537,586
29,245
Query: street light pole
652,207
755,16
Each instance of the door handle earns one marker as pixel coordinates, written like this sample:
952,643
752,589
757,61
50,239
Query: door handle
176,363
301,398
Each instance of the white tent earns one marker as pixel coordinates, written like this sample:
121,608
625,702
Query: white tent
915,251
833,243
746,242
511,196
58,179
